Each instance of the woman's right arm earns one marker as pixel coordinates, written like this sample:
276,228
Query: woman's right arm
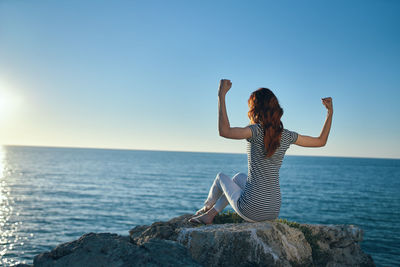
308,141
224,128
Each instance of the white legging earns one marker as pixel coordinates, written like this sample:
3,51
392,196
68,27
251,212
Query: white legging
225,190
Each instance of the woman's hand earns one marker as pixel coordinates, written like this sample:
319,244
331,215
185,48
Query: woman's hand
327,101
224,128
224,86
309,141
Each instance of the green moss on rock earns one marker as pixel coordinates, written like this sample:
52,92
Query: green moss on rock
227,217
320,258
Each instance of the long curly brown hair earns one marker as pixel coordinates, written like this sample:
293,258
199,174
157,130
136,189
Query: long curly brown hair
264,109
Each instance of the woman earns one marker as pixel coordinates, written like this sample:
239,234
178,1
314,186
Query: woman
256,197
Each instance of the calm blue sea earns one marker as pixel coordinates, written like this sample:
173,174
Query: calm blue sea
54,195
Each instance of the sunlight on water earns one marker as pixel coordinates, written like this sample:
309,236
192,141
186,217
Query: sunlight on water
3,208
8,230
2,156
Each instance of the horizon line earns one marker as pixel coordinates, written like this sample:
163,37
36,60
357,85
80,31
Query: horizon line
189,151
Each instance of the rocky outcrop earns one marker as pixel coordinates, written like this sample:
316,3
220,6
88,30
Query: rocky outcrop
247,244
107,249
179,243
274,243
336,245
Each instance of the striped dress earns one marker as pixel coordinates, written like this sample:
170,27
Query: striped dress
261,198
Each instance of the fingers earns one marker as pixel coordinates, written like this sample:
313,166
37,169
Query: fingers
226,82
327,101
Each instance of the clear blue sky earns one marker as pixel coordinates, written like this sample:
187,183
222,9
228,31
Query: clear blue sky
144,74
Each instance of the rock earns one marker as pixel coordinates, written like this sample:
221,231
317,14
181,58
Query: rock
178,242
247,244
162,230
105,249
338,245
270,243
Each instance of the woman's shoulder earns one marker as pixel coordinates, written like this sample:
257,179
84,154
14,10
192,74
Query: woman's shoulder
289,135
256,126
256,130
287,131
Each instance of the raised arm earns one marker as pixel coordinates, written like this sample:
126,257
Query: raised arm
308,141
224,128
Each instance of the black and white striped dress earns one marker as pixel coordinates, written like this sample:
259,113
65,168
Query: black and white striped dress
261,199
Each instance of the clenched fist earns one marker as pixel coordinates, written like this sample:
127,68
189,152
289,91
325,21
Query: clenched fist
224,86
327,101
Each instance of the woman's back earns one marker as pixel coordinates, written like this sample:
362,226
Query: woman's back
257,197
261,199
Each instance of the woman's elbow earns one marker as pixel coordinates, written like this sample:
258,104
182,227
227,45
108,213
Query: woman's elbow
227,133
322,143
222,133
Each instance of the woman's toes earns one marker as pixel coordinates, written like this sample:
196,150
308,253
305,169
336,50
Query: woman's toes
196,220
205,218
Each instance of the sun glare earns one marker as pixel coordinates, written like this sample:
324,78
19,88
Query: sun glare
9,103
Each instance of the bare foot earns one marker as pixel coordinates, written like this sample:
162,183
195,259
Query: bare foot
202,210
207,217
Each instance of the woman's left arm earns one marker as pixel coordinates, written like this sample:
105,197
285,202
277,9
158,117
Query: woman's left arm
309,141
224,128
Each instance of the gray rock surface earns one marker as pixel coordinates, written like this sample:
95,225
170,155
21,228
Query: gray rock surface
105,249
338,245
178,242
247,244
270,243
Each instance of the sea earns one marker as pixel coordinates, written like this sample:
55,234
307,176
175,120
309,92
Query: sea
54,195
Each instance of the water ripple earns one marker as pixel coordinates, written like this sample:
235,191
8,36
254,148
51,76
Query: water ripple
54,195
